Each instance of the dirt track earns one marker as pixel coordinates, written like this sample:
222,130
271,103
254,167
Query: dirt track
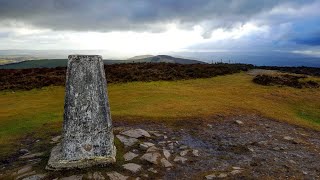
242,147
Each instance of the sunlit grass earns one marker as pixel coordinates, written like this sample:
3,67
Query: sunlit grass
26,111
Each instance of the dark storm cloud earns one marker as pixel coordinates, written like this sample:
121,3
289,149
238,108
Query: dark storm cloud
311,39
139,15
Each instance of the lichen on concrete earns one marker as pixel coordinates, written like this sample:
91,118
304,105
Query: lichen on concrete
87,126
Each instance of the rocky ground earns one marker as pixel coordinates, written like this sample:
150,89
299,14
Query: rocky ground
242,147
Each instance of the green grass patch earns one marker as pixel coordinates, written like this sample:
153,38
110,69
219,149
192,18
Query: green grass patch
41,110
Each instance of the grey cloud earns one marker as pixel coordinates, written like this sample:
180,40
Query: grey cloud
131,15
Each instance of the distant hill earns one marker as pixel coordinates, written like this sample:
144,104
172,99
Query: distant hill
51,63
168,59
140,57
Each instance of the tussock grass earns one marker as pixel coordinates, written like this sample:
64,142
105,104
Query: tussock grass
39,110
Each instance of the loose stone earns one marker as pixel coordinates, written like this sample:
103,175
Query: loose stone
132,167
180,159
156,133
129,156
26,174
152,149
288,138
211,176
74,177
35,177
153,170
222,175
136,133
183,153
145,145
96,176
56,139
116,176
165,163
195,152
23,151
183,147
23,170
151,157
30,156
239,122
166,153
127,141
234,172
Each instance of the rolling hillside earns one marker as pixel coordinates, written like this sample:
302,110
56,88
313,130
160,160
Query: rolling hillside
51,63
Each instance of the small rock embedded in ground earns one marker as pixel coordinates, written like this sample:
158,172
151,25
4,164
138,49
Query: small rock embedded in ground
116,176
74,177
127,141
183,147
23,151
180,159
26,174
288,138
195,152
151,157
29,156
210,176
132,167
165,163
153,170
23,170
183,153
96,176
222,175
145,145
152,149
234,172
156,133
129,156
35,177
239,122
166,153
136,133
56,139
209,125
171,146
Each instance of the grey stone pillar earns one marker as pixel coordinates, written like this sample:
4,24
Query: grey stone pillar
87,127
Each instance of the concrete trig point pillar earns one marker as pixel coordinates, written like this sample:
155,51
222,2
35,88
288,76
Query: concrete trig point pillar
87,127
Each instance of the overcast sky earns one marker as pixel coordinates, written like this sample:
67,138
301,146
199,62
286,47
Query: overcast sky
133,27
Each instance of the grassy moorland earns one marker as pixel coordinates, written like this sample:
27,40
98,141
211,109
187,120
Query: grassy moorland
39,111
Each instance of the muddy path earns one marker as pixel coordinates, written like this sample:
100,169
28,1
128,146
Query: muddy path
241,147
261,147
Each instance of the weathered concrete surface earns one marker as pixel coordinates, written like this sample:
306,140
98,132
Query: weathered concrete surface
87,126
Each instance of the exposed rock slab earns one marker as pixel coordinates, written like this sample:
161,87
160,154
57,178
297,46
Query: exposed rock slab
136,133
127,141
